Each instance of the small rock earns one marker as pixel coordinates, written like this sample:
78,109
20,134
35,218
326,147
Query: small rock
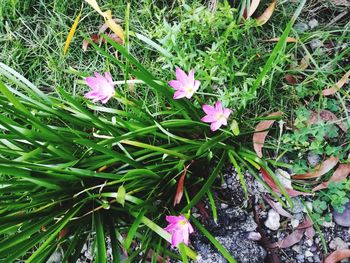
343,219
297,249
298,206
56,257
317,258
312,158
224,206
300,258
327,224
310,259
315,43
338,243
273,220
196,215
313,23
256,236
301,27
309,242
223,185
308,204
308,254
294,222
229,180
284,178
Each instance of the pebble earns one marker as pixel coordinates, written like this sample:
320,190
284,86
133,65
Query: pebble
254,236
300,258
312,158
338,243
298,206
196,215
343,219
309,242
297,249
301,27
310,259
313,23
223,185
315,43
317,258
294,222
273,220
229,180
308,253
327,224
284,178
224,206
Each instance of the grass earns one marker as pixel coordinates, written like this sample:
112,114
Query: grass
144,133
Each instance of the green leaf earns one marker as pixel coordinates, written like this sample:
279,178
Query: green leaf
101,252
121,195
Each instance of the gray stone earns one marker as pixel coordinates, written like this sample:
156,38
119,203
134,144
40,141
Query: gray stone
343,219
315,43
56,257
313,23
273,220
224,206
308,254
301,27
338,243
230,180
313,159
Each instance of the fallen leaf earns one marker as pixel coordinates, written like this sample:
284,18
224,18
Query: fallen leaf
294,237
267,14
291,79
326,115
97,38
320,169
277,207
340,174
339,85
304,63
63,233
253,6
289,240
337,256
180,186
116,28
288,40
268,179
71,34
107,15
261,132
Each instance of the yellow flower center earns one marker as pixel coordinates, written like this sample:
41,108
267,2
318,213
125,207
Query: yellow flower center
183,222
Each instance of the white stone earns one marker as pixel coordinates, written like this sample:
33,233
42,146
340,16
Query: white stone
294,222
284,178
308,253
273,220
338,243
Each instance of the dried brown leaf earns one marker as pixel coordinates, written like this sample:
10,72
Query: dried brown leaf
268,179
304,63
339,85
261,132
180,188
267,14
253,6
320,170
338,255
277,207
326,115
340,174
291,79
288,40
289,240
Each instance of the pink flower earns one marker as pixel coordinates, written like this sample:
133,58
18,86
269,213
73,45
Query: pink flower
102,88
216,115
179,228
185,85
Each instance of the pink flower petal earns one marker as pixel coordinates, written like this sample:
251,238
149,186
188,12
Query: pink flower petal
177,85
190,228
209,118
173,219
91,82
185,234
218,106
108,77
196,85
181,75
215,125
179,94
190,77
176,238
208,109
227,112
